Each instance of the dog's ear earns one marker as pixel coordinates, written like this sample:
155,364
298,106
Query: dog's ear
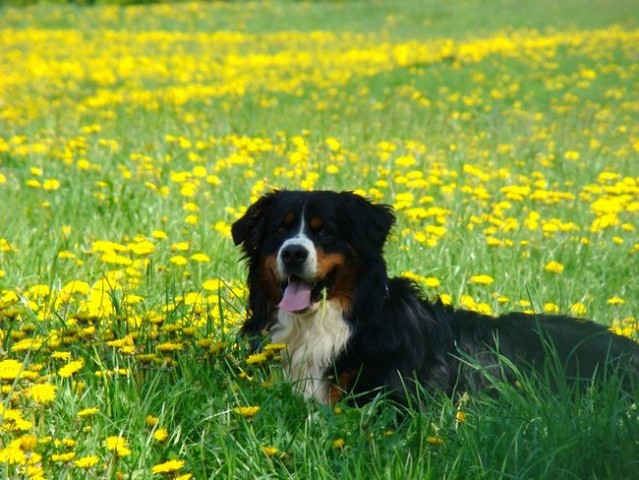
247,229
374,221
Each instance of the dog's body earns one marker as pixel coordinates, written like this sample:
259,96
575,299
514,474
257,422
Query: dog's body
318,284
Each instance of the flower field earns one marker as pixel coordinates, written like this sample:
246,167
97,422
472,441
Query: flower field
131,139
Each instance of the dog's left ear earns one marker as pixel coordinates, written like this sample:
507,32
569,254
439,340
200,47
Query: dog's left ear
247,229
373,220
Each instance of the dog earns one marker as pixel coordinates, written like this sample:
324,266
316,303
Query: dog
318,284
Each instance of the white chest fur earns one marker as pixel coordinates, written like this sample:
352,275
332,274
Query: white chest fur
313,339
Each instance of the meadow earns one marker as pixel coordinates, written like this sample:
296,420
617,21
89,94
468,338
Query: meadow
505,134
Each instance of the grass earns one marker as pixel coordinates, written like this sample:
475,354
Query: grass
506,136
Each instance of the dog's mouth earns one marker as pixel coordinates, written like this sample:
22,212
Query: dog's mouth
299,295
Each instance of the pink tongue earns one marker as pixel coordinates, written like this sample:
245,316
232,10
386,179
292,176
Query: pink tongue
297,296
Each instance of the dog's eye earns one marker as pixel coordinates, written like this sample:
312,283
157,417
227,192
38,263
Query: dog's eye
281,231
323,232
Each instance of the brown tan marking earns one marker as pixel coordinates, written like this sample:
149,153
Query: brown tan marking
266,277
316,223
289,218
345,268
339,388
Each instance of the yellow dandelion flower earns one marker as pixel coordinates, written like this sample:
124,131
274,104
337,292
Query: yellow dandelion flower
257,358
42,394
13,454
118,445
61,355
274,347
71,368
578,309
87,462
446,299
88,412
180,247
616,301
481,279
161,435
10,369
62,457
178,260
168,467
200,257
551,307
339,443
169,347
554,267
247,412
12,420
51,185
270,451
27,344
151,421
191,219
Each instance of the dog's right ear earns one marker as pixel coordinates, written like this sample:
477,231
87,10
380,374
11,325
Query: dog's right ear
247,230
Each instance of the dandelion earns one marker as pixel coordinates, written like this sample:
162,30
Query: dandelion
270,451
88,412
151,421
42,394
168,347
71,368
247,412
257,358
615,301
551,307
178,260
63,457
200,258
482,279
168,467
161,435
435,440
87,462
51,185
10,369
554,267
12,420
578,309
118,445
339,443
13,454
572,155
274,347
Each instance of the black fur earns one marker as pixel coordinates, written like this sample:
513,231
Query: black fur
399,338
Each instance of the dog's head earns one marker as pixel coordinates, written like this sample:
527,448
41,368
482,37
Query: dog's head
303,247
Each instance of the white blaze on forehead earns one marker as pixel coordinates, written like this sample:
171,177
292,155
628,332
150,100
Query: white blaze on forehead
308,270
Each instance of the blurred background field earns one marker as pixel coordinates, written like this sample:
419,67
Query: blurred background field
506,135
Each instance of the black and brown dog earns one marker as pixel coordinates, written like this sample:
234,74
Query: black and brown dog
318,284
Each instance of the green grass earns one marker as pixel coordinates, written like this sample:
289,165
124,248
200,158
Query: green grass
505,134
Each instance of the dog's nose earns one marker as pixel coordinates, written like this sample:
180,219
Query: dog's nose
294,255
